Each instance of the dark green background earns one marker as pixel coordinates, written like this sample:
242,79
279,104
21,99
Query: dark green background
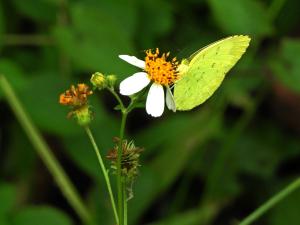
213,165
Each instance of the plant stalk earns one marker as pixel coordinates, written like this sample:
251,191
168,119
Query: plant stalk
61,178
120,183
125,203
271,202
104,171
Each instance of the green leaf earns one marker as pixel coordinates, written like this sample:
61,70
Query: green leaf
79,148
241,17
20,158
41,100
4,221
160,173
286,66
287,211
197,216
13,73
2,23
96,38
8,197
259,151
37,215
99,203
39,10
239,87
155,23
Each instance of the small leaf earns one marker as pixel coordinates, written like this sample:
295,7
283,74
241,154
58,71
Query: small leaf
117,107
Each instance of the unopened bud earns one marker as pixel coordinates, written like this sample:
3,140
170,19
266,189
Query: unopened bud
98,80
111,80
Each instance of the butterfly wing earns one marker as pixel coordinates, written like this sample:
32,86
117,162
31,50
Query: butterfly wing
206,71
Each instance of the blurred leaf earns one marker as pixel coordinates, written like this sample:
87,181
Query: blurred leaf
260,151
37,215
239,88
96,38
13,73
288,17
4,221
155,135
104,128
2,23
286,66
123,14
197,216
241,17
39,10
287,211
160,173
20,159
41,94
100,205
154,23
7,197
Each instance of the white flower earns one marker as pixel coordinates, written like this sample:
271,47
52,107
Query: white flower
158,70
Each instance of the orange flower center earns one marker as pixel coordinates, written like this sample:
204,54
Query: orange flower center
159,69
75,96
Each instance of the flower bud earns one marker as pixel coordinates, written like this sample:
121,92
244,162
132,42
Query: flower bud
98,80
111,80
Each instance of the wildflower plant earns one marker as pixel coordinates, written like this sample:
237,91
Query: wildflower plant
164,80
179,86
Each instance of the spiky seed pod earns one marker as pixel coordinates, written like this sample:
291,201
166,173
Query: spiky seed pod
129,160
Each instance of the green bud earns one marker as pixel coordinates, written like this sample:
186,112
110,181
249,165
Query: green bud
98,80
111,80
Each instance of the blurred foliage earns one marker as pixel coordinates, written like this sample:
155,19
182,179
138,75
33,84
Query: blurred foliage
213,165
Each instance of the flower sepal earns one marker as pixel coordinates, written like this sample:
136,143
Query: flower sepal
118,108
83,115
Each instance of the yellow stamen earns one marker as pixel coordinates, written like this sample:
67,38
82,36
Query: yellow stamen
160,70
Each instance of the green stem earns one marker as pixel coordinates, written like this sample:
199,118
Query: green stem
104,171
271,202
59,175
112,91
120,184
125,203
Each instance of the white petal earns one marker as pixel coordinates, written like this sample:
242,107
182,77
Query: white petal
133,61
155,100
134,83
170,100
